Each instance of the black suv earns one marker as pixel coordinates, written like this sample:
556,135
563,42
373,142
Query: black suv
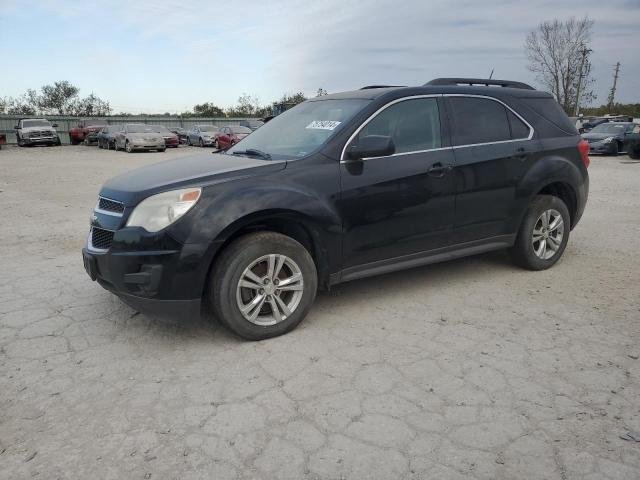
338,188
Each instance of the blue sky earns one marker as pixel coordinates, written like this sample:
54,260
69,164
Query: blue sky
157,56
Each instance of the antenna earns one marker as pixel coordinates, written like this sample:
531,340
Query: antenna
491,76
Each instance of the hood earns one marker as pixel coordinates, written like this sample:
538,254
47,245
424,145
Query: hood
195,170
144,135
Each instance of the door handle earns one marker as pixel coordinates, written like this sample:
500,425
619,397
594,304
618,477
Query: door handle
521,154
439,170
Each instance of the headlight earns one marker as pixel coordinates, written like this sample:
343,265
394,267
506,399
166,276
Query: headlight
159,211
608,140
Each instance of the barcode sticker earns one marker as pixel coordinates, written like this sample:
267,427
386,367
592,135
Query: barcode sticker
323,124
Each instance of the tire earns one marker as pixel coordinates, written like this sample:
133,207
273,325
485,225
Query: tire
188,142
200,143
162,149
20,142
215,144
127,147
225,295
634,153
526,250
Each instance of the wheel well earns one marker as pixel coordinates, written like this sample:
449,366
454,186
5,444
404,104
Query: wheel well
286,226
565,193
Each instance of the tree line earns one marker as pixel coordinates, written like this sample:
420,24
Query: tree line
62,98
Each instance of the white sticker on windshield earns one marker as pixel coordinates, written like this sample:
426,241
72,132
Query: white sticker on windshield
323,124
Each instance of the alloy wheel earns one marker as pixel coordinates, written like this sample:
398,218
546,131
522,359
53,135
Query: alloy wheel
548,233
269,290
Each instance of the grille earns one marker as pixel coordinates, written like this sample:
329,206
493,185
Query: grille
40,134
110,205
101,238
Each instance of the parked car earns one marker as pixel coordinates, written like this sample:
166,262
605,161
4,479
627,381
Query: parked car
139,136
608,138
203,135
85,127
170,138
107,136
338,188
181,133
632,143
36,131
229,136
252,124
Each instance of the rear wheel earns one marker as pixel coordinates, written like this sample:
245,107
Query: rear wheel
543,235
263,285
200,143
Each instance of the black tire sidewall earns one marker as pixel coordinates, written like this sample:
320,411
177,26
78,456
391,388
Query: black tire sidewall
523,248
229,268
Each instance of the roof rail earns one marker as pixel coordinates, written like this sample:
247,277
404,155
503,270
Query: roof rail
368,87
479,81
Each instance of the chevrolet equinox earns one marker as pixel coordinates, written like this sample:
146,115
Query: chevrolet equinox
338,188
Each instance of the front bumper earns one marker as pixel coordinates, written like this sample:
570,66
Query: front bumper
166,281
40,140
147,146
602,148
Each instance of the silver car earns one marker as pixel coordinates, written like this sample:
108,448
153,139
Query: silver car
138,136
203,135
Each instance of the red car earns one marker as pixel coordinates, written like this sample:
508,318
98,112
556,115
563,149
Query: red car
87,127
229,136
170,139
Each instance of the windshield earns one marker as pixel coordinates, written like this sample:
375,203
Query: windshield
208,128
140,129
609,128
301,129
162,129
241,130
35,123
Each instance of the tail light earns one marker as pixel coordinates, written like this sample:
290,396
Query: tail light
583,147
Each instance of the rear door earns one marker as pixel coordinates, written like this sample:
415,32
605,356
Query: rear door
400,204
493,150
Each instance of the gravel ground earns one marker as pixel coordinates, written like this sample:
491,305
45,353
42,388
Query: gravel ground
469,369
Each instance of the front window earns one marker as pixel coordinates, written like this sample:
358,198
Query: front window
163,130
240,130
140,129
208,128
612,128
302,129
413,125
35,123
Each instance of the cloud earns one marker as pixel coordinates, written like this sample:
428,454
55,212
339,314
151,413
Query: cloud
220,50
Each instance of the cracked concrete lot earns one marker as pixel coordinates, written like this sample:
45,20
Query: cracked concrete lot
467,370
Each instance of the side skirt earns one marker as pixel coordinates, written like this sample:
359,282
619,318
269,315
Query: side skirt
422,258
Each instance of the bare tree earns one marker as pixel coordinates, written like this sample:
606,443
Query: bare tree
558,54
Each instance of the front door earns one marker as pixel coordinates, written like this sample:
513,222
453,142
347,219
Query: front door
402,204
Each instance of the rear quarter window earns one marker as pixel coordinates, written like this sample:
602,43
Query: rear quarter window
549,109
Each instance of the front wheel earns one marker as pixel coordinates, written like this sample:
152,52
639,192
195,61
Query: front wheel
543,235
263,285
201,143
127,147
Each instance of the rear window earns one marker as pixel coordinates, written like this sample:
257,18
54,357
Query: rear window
519,129
478,120
552,111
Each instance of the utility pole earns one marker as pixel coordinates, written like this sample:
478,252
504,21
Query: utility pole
612,93
584,53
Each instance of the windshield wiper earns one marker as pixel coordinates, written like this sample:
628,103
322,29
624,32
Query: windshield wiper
254,152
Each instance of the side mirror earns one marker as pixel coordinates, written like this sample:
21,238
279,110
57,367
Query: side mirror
372,146
16,127
55,125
